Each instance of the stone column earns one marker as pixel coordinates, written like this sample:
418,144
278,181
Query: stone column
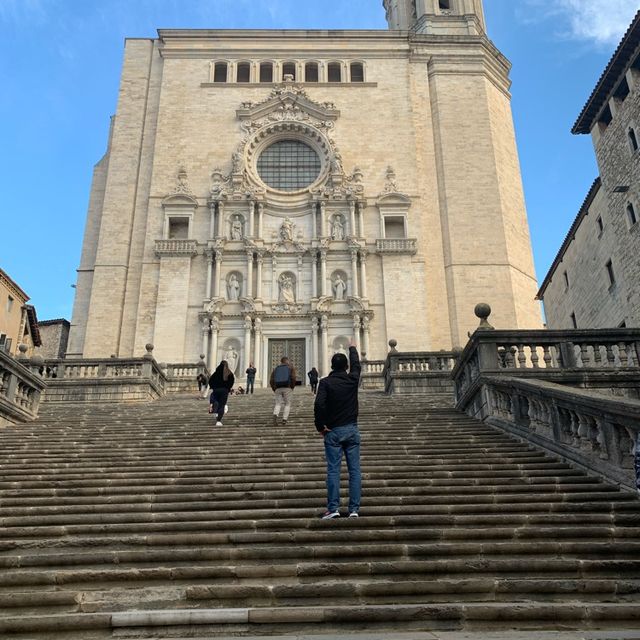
212,220
299,280
257,342
274,279
323,273
314,218
324,347
314,342
213,344
356,331
323,219
314,275
209,255
247,341
260,260
352,219
252,205
354,272
365,334
363,273
260,216
249,287
217,274
361,219
219,229
206,327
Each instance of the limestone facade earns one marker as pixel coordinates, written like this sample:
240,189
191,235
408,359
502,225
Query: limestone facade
601,254
18,320
412,210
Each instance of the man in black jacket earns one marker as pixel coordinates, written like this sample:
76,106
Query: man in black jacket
336,418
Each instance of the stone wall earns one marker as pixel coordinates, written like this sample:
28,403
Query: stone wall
54,335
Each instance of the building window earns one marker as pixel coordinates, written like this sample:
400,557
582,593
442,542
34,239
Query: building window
335,72
610,274
178,228
632,218
600,225
289,69
566,280
574,322
311,72
289,165
243,73
444,5
357,72
633,139
394,227
9,304
220,72
266,72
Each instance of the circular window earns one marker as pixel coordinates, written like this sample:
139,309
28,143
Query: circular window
289,165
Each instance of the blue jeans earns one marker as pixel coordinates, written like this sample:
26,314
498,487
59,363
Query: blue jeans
250,382
343,439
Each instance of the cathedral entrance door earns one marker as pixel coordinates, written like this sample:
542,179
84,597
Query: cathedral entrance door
292,349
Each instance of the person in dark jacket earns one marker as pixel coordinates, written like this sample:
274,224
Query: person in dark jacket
251,377
221,382
313,379
336,418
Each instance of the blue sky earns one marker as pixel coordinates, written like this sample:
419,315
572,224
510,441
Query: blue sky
59,71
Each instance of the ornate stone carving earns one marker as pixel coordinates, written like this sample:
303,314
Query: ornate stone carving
237,228
234,288
182,185
286,289
338,227
339,287
286,230
219,185
391,184
232,357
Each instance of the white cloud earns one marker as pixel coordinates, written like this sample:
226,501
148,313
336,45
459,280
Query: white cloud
602,22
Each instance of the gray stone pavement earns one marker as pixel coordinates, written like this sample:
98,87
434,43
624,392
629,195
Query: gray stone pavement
623,634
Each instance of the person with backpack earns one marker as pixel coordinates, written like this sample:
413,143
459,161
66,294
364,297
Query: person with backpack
221,382
282,381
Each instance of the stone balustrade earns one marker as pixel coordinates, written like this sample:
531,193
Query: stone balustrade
182,378
419,371
176,247
20,391
396,245
372,375
102,379
597,432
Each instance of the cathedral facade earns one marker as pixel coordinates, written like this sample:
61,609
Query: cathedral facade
269,193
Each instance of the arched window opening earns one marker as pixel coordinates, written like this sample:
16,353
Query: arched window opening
244,72
220,72
311,72
357,72
289,69
266,72
335,72
633,139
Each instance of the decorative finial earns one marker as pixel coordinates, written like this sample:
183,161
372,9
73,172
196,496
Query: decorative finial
483,311
393,344
149,347
22,348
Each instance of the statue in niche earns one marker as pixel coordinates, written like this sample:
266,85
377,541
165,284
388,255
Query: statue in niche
287,292
342,349
286,230
231,356
236,228
339,288
337,228
236,162
233,287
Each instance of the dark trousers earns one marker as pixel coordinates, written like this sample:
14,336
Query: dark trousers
250,382
218,400
314,386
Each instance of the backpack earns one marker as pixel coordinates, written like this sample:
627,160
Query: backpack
282,376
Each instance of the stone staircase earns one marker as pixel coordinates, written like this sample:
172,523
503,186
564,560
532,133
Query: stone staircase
147,521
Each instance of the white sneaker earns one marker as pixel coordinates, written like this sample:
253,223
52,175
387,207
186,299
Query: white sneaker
329,515
218,424
354,514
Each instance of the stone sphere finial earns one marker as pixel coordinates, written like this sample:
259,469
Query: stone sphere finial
393,344
37,360
149,348
202,356
483,311
22,349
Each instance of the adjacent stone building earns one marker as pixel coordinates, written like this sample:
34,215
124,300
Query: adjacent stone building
278,192
594,281
54,337
18,320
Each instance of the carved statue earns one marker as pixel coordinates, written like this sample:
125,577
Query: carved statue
231,356
339,288
286,230
236,162
337,228
336,162
287,292
342,349
236,228
233,287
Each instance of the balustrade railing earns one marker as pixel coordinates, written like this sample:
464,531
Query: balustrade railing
176,246
396,245
424,371
20,391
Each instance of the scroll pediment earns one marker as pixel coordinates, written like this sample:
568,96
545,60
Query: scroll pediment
288,102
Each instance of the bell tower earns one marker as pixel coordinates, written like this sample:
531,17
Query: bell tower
436,17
